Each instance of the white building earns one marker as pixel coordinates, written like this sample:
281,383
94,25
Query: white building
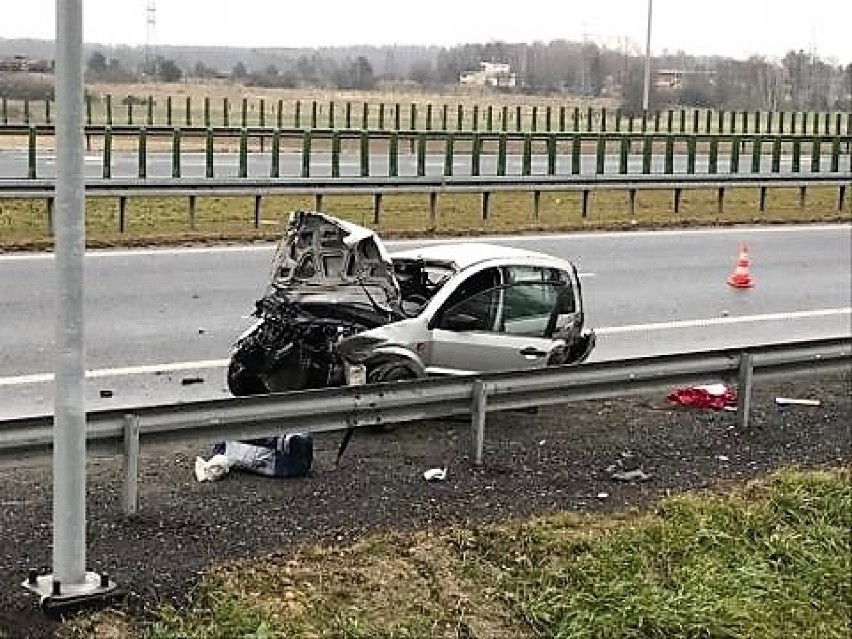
491,74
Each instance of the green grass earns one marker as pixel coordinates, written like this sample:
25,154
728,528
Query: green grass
770,559
23,223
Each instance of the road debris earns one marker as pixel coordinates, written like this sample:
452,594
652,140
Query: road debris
187,381
105,393
211,470
790,401
636,475
714,396
435,474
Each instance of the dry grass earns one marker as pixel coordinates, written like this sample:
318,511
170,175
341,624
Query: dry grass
23,223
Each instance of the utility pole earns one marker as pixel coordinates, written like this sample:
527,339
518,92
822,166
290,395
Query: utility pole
150,34
69,584
646,93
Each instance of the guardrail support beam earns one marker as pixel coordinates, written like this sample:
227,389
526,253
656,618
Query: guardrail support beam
478,410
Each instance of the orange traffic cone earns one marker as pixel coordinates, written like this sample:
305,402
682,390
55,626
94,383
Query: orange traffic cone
741,278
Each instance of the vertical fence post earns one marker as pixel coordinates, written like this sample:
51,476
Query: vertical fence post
279,114
561,119
26,111
396,117
365,115
835,154
393,154
504,118
501,154
460,118
421,154
51,209
669,121
275,158
551,154
129,110
476,117
448,154
149,119
169,111
143,153
589,119
297,115
429,116
756,153
122,214
191,211
603,120
208,152
107,155
47,111
547,119
713,159
622,156
445,108
519,119
797,155
365,154
244,113
735,153
176,153
656,121
207,111
576,144
226,112
576,120
776,155
690,154
744,388
262,118
314,114
32,143
489,119
412,117
647,153
331,114
815,158
475,154
306,154
243,168
600,155
526,168
4,109
694,121
668,169
335,154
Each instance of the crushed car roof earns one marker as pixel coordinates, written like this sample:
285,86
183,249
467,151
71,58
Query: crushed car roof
465,254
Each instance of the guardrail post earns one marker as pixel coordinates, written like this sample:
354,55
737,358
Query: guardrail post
551,154
176,153
335,154
841,196
143,153
306,154
207,111
682,127
835,155
4,109
377,209
561,119
781,116
589,119
769,118
815,158
433,211
26,111
631,196
131,465
720,127
47,111
475,154
744,122
244,113
720,201
744,388
536,207
603,119
690,154
51,209
258,203
584,208
393,154
708,121
32,142
191,211
548,115
815,130
478,410
318,202
793,117
486,205
694,121
776,155
365,154
797,155
109,109
122,213
677,197
762,199
803,194
448,154
735,152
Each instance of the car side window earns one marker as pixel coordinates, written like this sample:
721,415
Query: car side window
528,309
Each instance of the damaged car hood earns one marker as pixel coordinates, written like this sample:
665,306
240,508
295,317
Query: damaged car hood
325,259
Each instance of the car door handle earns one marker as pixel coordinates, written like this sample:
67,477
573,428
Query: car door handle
532,351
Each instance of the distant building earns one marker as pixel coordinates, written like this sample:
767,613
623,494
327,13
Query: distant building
490,74
674,78
25,64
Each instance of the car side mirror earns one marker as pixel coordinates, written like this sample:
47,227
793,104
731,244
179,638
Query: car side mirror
460,322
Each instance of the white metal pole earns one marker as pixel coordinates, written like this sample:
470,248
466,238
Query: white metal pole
647,85
69,427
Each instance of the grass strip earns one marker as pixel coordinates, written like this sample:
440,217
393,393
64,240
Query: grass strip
151,221
768,559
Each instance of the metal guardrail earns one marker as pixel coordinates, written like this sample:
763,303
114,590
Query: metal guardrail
192,188
337,409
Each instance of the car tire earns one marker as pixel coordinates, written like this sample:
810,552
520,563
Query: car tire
389,372
241,382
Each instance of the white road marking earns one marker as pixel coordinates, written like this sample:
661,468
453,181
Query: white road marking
43,378
190,251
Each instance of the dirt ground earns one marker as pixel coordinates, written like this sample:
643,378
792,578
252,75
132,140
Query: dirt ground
555,460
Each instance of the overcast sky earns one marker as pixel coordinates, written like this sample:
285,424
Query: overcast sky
735,28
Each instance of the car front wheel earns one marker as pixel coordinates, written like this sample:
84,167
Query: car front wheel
242,382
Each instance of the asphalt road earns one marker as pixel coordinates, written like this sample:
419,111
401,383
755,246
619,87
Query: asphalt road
157,317
13,164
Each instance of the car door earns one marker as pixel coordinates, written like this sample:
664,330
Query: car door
508,325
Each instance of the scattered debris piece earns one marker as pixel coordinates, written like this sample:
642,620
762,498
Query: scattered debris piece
435,474
723,458
106,393
715,396
631,475
186,381
201,331
790,401
213,469
602,496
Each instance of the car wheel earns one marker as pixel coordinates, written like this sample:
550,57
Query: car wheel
389,372
242,382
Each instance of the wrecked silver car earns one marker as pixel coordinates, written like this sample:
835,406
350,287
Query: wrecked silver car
339,309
